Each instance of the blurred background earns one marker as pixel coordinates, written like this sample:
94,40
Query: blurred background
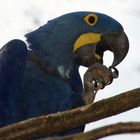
20,17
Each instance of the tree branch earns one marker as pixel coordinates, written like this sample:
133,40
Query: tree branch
36,127
118,128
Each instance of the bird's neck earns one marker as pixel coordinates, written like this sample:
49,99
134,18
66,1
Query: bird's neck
51,65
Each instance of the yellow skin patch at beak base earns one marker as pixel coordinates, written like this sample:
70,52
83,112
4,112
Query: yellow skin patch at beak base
98,57
87,38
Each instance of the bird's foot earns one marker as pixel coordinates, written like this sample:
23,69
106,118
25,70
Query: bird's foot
97,77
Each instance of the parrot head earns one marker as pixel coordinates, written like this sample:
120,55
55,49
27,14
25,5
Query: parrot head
103,33
79,37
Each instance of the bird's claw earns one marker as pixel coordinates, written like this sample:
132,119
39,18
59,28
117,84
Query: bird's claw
97,77
115,72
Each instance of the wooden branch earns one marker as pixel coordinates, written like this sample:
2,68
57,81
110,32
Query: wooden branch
39,126
118,128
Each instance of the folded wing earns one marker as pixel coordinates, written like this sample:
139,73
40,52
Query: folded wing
12,63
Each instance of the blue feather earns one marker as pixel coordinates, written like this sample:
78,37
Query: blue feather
25,90
12,63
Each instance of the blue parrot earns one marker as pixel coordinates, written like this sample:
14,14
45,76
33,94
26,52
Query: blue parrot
43,78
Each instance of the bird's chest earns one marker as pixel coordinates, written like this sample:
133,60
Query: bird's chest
44,93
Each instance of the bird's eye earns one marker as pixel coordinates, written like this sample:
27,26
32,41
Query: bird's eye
91,19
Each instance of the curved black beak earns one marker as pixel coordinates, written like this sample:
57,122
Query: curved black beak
116,42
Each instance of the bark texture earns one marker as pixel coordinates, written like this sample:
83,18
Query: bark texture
36,127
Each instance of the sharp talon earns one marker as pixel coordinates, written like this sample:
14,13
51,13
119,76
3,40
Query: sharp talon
114,71
98,85
94,91
102,85
109,82
95,84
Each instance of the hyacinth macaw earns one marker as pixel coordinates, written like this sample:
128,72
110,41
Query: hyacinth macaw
28,90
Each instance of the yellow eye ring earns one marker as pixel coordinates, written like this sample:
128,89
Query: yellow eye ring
91,19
